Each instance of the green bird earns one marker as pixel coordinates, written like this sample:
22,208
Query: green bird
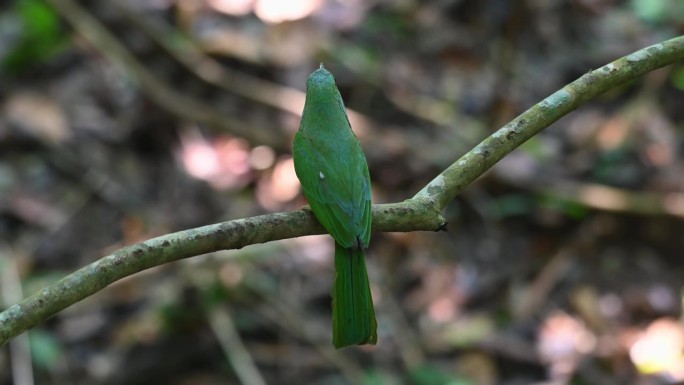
332,169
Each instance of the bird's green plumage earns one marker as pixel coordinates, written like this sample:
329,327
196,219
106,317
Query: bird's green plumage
332,169
353,315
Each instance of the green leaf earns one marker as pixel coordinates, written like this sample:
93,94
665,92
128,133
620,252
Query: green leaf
678,77
378,377
650,10
575,210
45,349
511,205
40,37
429,375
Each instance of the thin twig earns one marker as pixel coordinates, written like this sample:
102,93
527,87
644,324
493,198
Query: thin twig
231,343
285,314
162,94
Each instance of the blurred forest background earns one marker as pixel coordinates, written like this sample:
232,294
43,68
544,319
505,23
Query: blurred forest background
124,120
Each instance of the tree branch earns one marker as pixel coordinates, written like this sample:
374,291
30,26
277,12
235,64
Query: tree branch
422,212
451,182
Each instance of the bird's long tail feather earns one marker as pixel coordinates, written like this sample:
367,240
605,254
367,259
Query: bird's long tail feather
353,314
